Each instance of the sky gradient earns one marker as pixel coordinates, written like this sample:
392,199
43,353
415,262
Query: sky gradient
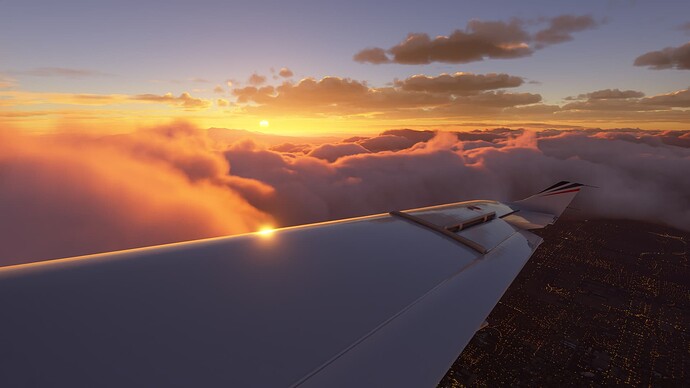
116,66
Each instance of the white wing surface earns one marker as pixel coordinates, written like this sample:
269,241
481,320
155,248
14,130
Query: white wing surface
384,300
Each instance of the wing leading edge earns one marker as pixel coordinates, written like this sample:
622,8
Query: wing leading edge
389,299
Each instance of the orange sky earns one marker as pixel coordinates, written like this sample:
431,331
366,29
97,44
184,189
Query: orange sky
456,65
335,105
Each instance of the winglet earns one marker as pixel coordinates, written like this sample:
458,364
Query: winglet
545,207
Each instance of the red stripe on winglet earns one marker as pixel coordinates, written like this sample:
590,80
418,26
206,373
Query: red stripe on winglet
562,192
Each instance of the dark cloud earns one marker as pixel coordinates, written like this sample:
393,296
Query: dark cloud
285,72
562,27
184,100
478,41
459,83
668,58
474,44
375,55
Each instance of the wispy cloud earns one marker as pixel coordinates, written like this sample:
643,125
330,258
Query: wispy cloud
184,100
685,27
561,28
63,72
607,94
6,82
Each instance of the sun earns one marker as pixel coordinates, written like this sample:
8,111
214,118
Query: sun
263,123
266,231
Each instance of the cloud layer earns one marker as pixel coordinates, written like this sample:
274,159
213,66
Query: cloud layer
72,194
458,95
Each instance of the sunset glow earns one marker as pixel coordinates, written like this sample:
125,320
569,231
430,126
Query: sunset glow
266,231
532,66
338,193
118,126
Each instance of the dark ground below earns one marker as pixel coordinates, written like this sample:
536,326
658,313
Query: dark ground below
601,303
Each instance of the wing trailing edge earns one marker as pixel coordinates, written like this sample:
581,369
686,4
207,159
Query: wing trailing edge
543,208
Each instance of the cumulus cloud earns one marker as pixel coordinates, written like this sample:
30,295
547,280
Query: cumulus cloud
184,100
256,79
479,40
668,58
285,72
218,89
640,174
72,194
222,102
331,152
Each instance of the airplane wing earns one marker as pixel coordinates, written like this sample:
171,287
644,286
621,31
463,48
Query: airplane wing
383,300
